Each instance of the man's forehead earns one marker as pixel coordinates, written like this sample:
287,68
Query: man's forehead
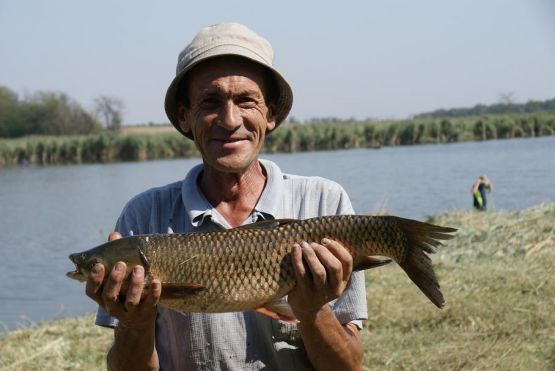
225,74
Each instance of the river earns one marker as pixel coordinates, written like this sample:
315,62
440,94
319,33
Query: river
46,213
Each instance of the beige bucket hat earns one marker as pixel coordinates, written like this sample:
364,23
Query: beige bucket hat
227,39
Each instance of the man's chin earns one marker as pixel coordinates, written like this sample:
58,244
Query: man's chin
232,165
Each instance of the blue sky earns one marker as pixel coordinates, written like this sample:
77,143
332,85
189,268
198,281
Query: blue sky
379,59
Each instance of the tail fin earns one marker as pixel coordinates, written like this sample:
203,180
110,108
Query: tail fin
423,238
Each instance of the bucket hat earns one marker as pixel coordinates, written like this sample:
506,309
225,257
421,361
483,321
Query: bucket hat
227,39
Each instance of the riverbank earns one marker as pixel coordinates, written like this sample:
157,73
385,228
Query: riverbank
497,277
164,142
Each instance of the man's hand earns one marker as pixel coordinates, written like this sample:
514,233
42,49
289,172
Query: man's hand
323,272
138,311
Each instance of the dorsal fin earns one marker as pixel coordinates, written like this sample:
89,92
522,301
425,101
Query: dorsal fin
268,224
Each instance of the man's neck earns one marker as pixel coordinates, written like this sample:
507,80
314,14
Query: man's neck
234,195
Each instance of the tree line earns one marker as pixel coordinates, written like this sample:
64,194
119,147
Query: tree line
55,113
502,108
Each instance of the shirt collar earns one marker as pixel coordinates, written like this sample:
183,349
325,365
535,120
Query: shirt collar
199,209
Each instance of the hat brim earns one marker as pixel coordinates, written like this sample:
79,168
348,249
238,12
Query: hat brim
284,98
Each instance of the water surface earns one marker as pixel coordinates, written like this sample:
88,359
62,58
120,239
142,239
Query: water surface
46,213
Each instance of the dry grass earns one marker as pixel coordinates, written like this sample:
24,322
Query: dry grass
497,277
68,344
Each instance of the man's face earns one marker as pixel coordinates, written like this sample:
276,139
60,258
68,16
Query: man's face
227,112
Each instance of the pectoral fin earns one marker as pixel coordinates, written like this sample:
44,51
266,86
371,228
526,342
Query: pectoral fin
278,310
176,290
370,262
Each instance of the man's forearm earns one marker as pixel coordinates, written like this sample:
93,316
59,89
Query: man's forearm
133,349
329,345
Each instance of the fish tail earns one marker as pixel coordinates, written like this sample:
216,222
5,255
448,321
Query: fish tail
423,238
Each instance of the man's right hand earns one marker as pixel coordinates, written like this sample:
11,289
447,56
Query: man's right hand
136,311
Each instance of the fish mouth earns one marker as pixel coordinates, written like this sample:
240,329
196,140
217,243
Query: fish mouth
76,274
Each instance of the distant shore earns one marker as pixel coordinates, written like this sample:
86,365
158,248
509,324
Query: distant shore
164,142
496,275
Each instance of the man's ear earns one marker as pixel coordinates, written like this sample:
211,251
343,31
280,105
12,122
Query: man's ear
271,117
183,118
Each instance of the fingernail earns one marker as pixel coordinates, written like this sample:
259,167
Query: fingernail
138,271
95,268
325,241
118,267
304,244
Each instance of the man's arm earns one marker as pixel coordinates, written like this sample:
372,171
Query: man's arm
323,273
134,337
475,186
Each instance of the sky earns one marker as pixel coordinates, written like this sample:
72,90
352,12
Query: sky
363,59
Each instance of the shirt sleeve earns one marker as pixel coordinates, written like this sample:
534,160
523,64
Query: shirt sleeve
351,306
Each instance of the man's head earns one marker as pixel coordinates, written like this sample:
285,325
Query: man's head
215,42
227,112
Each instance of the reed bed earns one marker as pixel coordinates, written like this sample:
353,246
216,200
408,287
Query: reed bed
102,148
149,143
496,275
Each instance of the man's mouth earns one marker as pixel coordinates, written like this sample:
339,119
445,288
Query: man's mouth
229,140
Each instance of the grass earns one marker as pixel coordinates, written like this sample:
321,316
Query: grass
497,278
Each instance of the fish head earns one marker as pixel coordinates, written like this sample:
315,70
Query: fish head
108,254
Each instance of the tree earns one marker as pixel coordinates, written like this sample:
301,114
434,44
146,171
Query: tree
110,111
12,120
42,113
54,113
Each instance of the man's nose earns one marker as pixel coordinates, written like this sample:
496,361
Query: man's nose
230,116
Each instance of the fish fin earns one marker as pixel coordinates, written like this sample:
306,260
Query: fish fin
423,238
278,310
418,267
176,290
268,224
369,262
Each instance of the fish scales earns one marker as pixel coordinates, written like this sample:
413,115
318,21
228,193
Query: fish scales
247,267
220,262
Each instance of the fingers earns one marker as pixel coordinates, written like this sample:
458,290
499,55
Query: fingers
297,258
327,266
315,258
342,255
135,290
154,293
93,288
114,236
112,288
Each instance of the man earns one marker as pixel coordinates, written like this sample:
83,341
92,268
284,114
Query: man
479,192
227,97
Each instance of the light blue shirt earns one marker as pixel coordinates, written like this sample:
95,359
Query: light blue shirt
238,340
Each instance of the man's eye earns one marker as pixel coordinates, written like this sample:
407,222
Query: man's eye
209,102
246,101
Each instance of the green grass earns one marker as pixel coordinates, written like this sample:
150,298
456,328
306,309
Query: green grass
496,275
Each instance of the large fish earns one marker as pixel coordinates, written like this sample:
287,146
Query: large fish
250,268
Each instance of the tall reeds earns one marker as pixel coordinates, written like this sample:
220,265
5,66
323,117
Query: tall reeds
104,147
110,147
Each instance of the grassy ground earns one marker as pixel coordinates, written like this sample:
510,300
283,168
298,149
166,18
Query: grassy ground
497,277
